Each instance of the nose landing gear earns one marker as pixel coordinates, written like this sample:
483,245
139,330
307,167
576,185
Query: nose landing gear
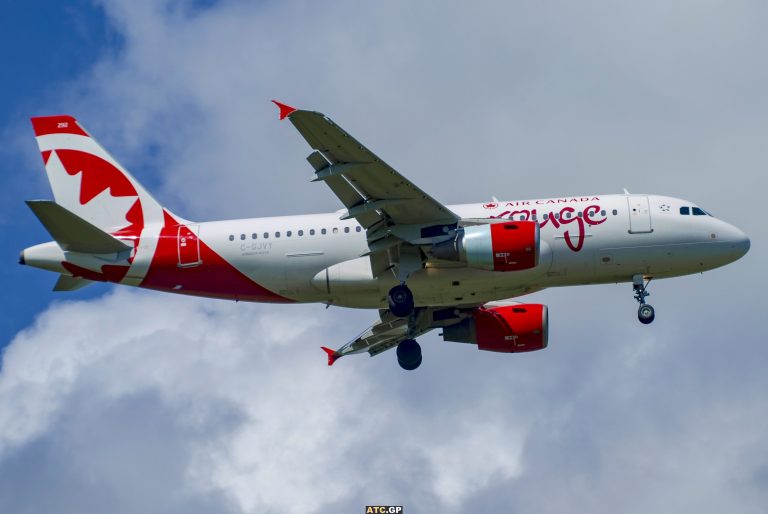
645,313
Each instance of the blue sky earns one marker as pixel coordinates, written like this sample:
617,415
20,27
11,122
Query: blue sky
45,45
122,400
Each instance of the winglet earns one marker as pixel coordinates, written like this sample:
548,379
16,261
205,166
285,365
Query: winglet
285,110
332,355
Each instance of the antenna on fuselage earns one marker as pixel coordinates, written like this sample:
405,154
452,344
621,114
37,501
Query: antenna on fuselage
626,192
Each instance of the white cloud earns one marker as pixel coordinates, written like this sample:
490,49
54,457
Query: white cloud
263,420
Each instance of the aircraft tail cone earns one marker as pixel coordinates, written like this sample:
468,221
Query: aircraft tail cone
21,257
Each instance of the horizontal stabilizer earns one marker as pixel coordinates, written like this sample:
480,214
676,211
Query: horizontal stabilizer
69,283
72,232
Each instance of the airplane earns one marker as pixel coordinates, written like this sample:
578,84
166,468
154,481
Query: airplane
422,264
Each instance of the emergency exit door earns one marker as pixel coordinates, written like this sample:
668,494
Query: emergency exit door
639,215
189,246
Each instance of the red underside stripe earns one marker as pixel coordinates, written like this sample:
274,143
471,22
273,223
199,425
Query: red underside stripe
214,277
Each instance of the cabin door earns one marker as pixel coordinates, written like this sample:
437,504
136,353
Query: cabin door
639,215
189,246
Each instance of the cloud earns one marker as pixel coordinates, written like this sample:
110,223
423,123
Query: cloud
224,401
151,403
508,92
163,403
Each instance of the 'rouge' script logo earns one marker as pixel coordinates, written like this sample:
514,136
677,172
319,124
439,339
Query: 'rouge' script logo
590,215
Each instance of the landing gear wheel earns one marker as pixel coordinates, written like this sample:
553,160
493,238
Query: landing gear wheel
400,301
409,354
646,314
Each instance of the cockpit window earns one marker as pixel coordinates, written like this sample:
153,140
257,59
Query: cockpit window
685,210
699,212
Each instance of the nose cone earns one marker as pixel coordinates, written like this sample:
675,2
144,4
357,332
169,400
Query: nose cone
738,242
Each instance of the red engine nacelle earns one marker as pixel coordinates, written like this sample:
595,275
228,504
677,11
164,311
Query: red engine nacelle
510,329
506,246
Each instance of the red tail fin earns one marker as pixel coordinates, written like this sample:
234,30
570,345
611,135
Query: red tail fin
332,355
87,181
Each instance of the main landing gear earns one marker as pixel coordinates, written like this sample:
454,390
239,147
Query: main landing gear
645,313
400,300
409,354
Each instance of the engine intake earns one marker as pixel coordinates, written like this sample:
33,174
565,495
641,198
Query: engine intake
507,246
509,329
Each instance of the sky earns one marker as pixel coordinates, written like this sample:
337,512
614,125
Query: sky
121,400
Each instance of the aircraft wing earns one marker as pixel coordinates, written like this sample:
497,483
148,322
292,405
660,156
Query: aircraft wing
372,191
389,331
379,337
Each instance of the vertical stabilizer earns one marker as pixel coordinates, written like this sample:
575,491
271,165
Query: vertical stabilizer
89,182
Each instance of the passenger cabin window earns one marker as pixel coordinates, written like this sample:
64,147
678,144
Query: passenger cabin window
301,233
346,230
277,234
288,234
242,237
323,231
685,211
311,232
358,229
266,235
615,212
253,236
231,237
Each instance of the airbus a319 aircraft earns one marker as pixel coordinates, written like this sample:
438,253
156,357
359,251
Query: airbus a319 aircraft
422,264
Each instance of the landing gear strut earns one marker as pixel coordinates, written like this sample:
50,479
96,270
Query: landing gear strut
409,354
400,300
645,313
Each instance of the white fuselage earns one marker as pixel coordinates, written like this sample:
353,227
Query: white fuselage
585,240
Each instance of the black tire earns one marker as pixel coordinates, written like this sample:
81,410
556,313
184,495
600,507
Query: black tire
646,314
411,367
409,354
400,301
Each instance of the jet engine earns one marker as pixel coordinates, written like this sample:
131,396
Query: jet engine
507,246
509,329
